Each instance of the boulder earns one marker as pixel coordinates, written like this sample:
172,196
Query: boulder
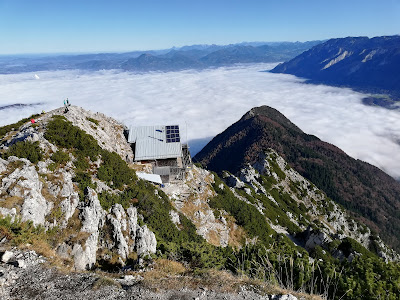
174,217
7,256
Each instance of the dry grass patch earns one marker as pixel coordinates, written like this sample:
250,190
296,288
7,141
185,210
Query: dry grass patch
47,195
55,179
214,238
163,268
12,201
12,166
80,238
189,209
169,267
42,247
63,265
5,232
218,281
236,233
210,179
104,282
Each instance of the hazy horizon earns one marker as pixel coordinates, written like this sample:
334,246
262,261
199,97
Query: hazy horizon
146,49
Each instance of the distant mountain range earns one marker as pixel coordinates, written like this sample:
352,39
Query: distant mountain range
362,188
187,57
365,64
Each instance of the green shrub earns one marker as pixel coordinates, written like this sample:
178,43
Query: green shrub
204,255
181,242
24,149
108,199
20,232
60,157
63,134
268,181
81,162
84,180
52,167
246,215
93,120
277,169
115,170
154,206
349,245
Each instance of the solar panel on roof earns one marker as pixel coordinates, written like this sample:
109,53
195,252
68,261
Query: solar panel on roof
172,134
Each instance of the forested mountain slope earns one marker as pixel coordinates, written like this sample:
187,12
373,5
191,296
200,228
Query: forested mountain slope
364,189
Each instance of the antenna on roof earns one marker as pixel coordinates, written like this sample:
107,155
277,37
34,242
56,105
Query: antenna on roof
152,137
187,142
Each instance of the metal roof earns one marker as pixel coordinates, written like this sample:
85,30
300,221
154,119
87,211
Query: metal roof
151,143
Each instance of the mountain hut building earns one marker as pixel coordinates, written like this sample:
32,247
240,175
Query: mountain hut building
161,147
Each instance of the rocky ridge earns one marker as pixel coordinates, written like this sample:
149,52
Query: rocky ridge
272,177
191,198
50,198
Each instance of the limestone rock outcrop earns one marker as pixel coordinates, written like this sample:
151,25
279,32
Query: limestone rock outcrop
23,185
145,241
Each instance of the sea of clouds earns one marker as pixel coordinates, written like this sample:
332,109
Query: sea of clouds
206,102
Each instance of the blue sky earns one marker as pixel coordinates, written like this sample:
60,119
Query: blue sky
48,26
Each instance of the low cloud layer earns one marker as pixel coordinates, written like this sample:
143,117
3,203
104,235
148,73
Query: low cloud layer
207,102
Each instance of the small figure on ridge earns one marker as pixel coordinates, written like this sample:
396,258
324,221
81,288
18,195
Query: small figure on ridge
66,106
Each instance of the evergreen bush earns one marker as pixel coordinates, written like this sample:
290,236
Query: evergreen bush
25,149
60,157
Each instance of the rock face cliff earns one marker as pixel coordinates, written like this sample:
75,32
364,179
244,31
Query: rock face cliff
357,62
